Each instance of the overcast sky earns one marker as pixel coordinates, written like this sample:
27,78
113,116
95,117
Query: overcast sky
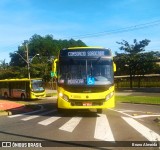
95,22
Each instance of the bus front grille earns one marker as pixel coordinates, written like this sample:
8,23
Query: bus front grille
86,103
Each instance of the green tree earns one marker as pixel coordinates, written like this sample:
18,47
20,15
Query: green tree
47,47
132,59
3,64
7,71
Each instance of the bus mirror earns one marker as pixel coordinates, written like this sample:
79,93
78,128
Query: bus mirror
54,68
114,67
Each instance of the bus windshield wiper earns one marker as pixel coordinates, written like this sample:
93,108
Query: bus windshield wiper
98,59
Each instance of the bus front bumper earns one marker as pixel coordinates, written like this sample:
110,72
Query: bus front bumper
85,103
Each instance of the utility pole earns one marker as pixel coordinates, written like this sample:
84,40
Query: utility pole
28,65
27,60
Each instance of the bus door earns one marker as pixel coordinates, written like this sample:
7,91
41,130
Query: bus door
5,89
27,89
10,88
13,89
18,89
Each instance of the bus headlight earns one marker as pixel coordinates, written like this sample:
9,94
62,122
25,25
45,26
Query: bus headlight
109,96
65,97
61,94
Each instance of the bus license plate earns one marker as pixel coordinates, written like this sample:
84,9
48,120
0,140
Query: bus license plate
87,103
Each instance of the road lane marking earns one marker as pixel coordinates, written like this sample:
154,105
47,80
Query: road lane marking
28,113
36,116
143,130
130,111
49,120
121,112
18,115
144,116
136,117
102,129
71,124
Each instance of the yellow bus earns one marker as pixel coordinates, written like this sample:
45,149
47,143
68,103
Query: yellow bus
85,78
22,88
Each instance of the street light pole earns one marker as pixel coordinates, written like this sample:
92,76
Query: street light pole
27,60
28,65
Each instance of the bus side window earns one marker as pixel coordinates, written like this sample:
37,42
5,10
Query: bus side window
27,87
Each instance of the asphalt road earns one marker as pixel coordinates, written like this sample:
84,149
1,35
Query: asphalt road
126,122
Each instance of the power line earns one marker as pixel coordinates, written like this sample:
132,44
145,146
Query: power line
103,33
120,30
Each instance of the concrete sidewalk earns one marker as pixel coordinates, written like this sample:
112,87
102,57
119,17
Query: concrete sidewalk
8,107
138,92
145,90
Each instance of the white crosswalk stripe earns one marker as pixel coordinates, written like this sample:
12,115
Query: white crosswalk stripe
27,113
49,120
30,117
146,132
36,116
71,124
103,130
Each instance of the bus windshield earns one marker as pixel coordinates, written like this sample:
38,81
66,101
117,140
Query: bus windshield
37,86
86,72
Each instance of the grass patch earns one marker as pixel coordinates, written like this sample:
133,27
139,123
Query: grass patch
138,99
1,111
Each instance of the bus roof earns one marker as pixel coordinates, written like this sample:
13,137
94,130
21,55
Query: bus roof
86,47
23,79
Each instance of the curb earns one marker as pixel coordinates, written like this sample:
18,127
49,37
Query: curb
25,109
5,113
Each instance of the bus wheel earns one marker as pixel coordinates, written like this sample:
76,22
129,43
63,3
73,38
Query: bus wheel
5,95
22,96
100,111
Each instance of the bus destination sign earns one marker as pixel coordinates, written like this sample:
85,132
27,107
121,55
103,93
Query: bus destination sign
85,53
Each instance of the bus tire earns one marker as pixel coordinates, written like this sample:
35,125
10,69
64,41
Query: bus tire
22,96
60,110
5,95
57,104
100,111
